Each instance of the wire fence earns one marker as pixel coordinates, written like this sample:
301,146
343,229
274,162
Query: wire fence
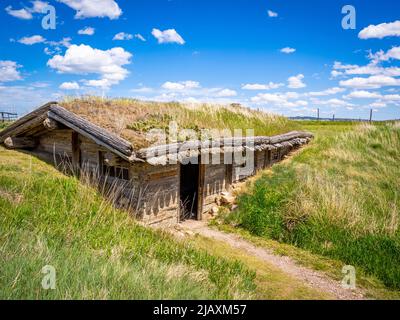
8,116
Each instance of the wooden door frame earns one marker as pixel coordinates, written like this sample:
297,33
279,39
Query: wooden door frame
200,190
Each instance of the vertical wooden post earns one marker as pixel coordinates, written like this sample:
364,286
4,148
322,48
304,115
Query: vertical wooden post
370,116
228,176
76,152
318,114
200,190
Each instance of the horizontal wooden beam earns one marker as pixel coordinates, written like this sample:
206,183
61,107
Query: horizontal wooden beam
20,143
173,148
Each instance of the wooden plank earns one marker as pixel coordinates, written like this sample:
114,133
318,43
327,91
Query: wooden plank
200,191
20,143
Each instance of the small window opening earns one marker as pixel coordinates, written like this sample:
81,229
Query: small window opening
112,171
116,172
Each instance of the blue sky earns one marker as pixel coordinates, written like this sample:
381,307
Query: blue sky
288,57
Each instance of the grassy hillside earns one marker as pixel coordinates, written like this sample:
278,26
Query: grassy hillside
132,119
98,252
339,197
101,253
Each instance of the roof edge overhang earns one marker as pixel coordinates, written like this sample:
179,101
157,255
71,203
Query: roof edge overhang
53,111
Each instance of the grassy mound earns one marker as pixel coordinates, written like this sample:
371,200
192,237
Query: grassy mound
339,198
132,119
98,252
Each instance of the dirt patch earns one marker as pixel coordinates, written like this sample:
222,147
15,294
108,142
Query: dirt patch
13,197
312,278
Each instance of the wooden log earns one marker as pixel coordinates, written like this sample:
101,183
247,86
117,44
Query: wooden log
50,124
262,141
25,123
20,143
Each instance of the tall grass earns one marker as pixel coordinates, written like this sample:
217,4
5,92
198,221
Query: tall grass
339,198
98,252
132,118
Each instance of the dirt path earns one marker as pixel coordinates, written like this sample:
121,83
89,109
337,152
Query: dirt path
311,277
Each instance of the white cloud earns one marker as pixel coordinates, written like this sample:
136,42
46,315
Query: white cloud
372,68
393,53
40,84
173,86
337,65
94,8
333,102
20,13
143,90
373,82
9,71
377,104
26,13
380,31
288,50
167,36
123,36
326,92
38,6
272,14
392,97
226,93
84,59
258,86
100,83
89,31
296,82
362,94
287,99
32,40
64,42
69,86
139,36
335,73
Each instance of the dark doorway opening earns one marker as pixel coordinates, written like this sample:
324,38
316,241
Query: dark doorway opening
189,191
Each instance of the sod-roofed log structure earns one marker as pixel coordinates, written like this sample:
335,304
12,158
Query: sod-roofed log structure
158,183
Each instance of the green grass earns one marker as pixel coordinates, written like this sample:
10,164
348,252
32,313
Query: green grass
339,198
98,252
3,125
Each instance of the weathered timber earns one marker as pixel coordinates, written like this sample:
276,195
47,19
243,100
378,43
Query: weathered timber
214,145
20,143
23,124
50,124
102,137
75,148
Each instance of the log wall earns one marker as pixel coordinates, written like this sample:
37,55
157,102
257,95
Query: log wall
215,182
152,192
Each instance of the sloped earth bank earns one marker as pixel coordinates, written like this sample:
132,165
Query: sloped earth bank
311,278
